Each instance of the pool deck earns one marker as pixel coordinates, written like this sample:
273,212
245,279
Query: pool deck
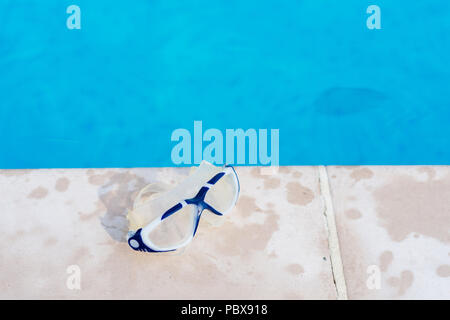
369,232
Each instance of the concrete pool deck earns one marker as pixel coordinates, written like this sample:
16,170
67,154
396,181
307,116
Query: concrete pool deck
367,232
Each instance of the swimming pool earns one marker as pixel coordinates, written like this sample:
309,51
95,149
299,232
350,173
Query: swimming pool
111,93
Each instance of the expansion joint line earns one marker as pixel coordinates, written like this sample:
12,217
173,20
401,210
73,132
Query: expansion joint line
333,241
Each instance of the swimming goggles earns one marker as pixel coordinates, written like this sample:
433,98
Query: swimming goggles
211,188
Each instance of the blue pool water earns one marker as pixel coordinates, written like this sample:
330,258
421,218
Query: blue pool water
110,94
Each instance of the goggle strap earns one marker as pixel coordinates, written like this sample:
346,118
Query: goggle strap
172,210
208,207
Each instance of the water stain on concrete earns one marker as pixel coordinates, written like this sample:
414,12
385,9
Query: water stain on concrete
386,259
295,269
285,169
19,233
406,206
430,171
99,179
353,214
80,254
37,230
255,172
51,241
100,208
271,183
62,184
297,175
38,193
362,173
443,271
247,206
347,167
117,192
403,282
298,194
